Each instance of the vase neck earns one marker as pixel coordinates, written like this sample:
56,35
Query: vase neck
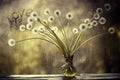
69,60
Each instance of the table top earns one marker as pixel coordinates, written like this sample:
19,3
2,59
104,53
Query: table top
60,77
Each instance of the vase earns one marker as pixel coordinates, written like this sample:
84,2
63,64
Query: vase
68,69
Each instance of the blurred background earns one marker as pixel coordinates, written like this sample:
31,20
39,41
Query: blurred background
101,55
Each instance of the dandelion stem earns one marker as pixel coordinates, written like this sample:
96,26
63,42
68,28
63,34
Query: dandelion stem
64,34
59,42
76,41
49,36
87,41
40,39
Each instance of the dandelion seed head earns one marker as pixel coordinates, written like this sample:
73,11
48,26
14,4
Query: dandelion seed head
39,18
47,11
11,42
89,25
94,23
45,21
54,28
107,7
30,19
69,15
51,19
22,27
102,20
41,29
75,30
99,10
87,21
111,30
35,31
34,19
57,13
96,16
83,27
34,14
29,26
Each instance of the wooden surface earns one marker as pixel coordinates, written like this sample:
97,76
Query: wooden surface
60,77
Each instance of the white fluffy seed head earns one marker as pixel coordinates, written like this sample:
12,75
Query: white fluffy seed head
107,7
11,42
83,27
35,31
30,20
22,27
102,20
99,10
111,30
57,13
29,26
54,28
41,29
39,18
69,15
34,14
75,30
86,20
47,11
94,23
89,25
44,21
51,19
96,16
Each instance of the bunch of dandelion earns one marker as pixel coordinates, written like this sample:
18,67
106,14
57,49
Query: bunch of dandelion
49,32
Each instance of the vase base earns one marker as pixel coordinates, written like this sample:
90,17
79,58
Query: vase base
69,78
